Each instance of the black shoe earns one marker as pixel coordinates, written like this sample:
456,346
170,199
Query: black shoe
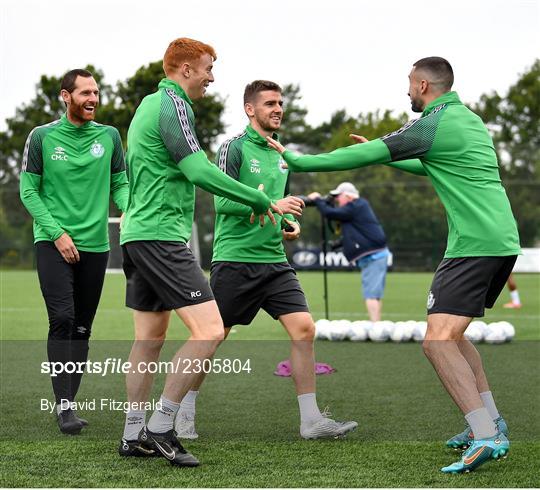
68,423
84,422
168,446
136,449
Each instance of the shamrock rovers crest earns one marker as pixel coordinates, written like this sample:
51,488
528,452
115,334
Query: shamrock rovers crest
97,150
430,300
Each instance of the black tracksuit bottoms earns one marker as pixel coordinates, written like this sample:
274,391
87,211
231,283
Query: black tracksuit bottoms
71,293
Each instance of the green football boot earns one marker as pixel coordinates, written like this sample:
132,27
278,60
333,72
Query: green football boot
479,452
463,439
500,423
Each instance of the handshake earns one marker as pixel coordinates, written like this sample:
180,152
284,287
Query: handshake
295,204
290,205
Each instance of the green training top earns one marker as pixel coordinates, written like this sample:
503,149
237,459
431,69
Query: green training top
68,174
165,161
248,159
458,155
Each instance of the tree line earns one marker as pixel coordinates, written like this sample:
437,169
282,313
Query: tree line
406,205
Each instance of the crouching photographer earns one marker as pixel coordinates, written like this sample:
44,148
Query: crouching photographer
364,241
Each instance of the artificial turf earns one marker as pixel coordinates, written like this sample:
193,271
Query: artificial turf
248,422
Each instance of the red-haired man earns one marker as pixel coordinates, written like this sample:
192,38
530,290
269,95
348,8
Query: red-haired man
165,162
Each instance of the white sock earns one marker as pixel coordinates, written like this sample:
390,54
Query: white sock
134,423
515,297
489,403
162,420
309,411
481,423
188,403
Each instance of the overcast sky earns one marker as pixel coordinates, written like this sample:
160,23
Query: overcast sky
344,54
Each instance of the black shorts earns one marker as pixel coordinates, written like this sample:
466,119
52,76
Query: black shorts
465,286
242,289
163,276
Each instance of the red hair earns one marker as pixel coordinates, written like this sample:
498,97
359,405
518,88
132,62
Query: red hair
184,50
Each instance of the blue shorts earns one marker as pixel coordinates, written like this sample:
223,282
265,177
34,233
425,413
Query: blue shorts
373,274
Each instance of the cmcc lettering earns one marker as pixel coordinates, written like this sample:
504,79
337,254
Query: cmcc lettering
57,156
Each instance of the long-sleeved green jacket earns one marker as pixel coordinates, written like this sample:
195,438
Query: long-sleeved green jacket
456,152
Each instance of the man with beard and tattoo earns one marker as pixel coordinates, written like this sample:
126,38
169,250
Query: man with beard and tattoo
451,145
70,169
249,269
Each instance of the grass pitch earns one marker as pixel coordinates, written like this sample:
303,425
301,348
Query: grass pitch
248,422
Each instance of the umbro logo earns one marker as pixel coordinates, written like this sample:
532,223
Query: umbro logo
59,154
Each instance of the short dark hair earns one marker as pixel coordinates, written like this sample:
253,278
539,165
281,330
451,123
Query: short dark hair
68,82
440,71
253,88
